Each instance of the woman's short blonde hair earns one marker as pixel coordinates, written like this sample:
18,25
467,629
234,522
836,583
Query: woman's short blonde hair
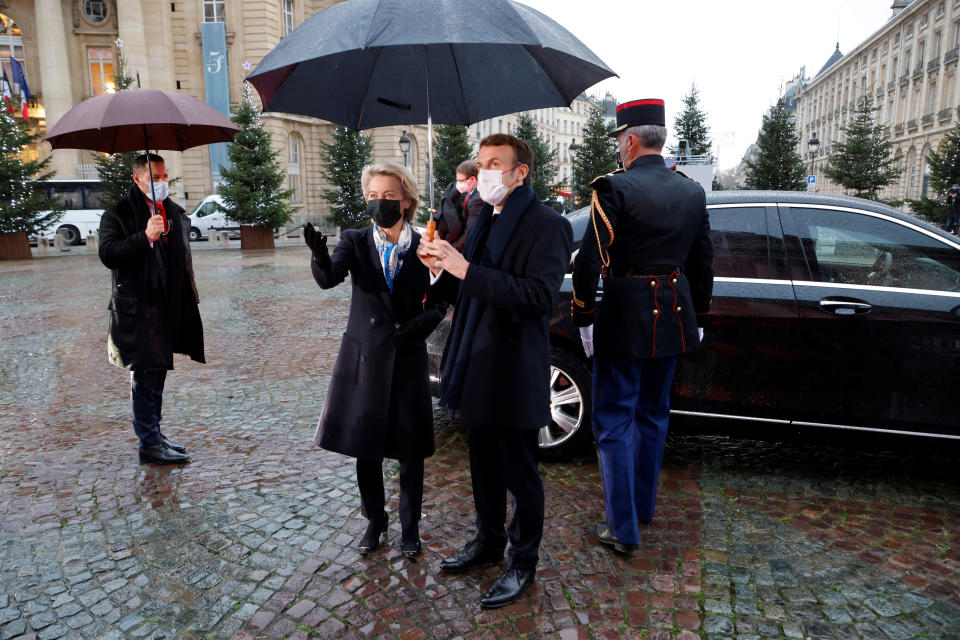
407,183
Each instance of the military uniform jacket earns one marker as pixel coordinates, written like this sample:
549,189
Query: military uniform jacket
650,235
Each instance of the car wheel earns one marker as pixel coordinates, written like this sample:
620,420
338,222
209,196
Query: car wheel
70,234
569,431
194,234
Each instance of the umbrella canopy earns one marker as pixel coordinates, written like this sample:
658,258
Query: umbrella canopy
374,63
140,119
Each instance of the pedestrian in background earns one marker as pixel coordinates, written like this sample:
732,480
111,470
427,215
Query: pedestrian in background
953,209
459,206
649,239
153,303
378,404
496,364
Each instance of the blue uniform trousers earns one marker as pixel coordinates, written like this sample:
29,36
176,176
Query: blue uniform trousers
631,413
146,395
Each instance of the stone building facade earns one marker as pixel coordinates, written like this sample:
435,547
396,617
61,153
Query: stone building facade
68,49
908,69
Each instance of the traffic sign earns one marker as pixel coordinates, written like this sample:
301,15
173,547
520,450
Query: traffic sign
811,183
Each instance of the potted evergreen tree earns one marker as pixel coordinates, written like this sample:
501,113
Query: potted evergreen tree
25,206
252,188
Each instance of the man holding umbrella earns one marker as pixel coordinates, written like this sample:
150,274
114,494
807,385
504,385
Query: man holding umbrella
153,305
496,365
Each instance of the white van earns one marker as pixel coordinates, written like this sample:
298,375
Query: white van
208,215
83,205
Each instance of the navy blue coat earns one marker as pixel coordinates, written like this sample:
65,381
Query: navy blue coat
378,404
643,218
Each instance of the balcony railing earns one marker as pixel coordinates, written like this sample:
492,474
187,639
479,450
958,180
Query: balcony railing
911,124
927,119
905,78
917,72
879,92
933,64
898,129
891,85
946,114
951,55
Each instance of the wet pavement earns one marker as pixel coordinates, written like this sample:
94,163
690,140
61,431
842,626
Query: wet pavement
255,538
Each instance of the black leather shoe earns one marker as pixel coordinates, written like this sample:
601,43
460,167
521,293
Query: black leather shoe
411,549
472,555
160,454
371,539
606,537
170,444
507,589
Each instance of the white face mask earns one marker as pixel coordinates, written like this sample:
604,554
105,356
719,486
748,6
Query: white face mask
161,187
491,187
461,186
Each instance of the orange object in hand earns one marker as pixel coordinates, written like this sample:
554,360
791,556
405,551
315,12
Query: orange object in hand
431,229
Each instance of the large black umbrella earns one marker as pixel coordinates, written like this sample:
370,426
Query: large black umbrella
375,63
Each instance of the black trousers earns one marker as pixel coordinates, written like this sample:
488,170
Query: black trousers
370,482
502,461
146,396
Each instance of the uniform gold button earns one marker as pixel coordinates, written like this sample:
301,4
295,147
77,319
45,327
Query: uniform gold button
656,311
653,283
679,308
674,281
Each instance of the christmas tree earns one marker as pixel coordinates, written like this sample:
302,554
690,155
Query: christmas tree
451,146
595,156
544,168
691,124
252,188
116,169
777,165
342,162
862,162
944,162
24,202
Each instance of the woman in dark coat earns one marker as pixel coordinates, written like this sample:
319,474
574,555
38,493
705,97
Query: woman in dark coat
378,404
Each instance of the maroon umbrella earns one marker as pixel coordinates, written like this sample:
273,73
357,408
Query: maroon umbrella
140,119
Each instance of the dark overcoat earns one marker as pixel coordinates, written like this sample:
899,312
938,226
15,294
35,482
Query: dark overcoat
652,225
153,304
507,380
378,403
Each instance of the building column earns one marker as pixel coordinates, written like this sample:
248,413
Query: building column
130,27
55,86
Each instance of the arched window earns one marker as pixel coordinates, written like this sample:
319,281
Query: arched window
925,174
909,175
11,46
293,168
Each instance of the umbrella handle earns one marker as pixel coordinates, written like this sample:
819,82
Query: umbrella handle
153,189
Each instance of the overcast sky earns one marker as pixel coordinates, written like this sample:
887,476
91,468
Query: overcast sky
739,53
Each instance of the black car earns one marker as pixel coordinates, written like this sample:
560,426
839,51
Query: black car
828,311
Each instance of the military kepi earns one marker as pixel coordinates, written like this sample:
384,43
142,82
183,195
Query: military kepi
639,112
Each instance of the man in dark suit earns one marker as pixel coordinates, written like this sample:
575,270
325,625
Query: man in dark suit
144,241
496,365
649,239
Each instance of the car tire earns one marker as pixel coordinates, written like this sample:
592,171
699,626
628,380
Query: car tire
70,235
195,234
570,428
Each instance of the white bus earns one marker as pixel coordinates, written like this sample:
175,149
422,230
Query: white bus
83,205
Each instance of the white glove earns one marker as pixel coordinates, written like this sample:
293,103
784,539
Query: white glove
586,337
700,331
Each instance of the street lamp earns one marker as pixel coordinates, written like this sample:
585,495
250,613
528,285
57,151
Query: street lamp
405,148
813,144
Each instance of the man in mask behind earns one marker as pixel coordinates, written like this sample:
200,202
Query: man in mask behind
153,305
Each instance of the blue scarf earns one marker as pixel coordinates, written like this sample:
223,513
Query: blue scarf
468,311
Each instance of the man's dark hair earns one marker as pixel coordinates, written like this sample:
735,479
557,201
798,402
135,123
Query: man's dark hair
520,149
467,168
140,162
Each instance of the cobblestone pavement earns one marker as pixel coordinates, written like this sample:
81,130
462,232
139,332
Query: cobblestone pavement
255,538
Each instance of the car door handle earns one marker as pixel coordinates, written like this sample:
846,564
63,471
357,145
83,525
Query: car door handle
845,306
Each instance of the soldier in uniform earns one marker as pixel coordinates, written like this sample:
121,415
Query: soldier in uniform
649,240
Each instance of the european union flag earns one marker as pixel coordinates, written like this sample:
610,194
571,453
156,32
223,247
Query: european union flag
19,78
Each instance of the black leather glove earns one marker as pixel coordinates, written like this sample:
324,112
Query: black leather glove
318,245
417,329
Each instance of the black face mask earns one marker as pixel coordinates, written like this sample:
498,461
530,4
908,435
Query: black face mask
384,212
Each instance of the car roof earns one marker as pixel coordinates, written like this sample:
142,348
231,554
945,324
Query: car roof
798,198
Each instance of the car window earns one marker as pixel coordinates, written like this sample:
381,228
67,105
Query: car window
856,248
206,209
739,236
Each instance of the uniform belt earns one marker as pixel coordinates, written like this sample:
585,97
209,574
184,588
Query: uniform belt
645,272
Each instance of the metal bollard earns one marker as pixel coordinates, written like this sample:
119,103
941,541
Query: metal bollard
211,235
58,243
93,242
224,238
43,245
282,233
